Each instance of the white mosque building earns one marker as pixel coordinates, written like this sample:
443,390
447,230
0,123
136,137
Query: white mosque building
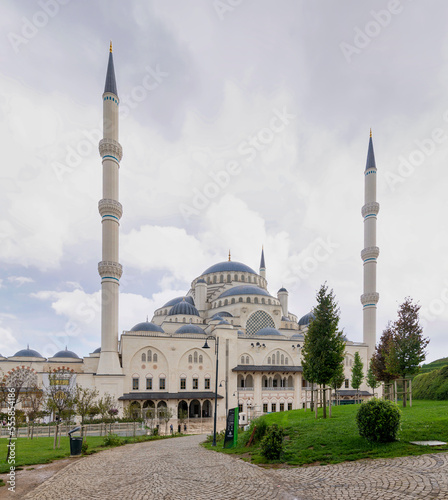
165,361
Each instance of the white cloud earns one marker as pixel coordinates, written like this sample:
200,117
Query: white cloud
20,280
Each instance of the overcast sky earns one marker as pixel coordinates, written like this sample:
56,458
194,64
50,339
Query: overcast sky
244,123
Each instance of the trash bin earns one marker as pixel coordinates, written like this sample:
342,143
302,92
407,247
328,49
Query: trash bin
75,446
75,443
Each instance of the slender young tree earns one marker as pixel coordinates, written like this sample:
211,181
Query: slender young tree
378,362
85,401
407,349
337,380
324,345
357,374
371,379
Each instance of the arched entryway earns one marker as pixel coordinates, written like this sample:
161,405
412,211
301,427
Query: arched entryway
195,409
182,410
149,409
135,410
207,409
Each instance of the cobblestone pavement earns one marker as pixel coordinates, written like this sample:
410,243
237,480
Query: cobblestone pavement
179,469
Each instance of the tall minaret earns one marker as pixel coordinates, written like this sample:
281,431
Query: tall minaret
262,265
111,210
369,255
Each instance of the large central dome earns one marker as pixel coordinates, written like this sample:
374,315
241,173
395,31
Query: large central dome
229,266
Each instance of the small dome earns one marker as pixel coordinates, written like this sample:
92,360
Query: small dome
225,314
190,329
175,301
298,336
267,331
284,318
240,332
306,320
244,290
27,353
216,317
229,266
282,289
183,307
223,322
201,280
66,354
97,351
146,326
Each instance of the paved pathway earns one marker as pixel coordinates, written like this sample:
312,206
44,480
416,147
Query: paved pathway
179,469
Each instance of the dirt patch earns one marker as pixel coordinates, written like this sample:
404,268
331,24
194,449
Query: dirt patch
32,476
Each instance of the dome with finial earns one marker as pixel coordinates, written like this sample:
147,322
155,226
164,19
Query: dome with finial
306,320
27,353
147,326
66,354
183,307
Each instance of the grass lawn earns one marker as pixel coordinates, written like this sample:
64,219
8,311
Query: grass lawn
40,451
330,441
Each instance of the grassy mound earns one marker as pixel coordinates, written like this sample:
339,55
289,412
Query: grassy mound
435,365
431,385
335,440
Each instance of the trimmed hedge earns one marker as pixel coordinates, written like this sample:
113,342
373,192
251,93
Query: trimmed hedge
432,385
378,420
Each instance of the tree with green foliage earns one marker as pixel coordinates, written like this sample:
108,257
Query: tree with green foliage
378,362
357,374
407,349
337,380
371,379
324,345
85,400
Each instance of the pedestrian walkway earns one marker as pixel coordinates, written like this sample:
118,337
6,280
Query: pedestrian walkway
180,469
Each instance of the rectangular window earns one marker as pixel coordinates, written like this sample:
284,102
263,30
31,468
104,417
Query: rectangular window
289,406
207,383
265,407
273,407
149,384
347,383
183,383
274,383
135,384
240,408
282,406
195,383
162,384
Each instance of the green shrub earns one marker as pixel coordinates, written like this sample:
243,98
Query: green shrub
378,420
432,385
272,443
112,440
84,448
260,431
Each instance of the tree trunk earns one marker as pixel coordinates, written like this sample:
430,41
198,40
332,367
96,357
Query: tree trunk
32,430
324,391
329,402
316,404
404,393
312,400
55,435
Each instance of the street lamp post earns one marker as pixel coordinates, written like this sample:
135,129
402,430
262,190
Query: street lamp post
206,346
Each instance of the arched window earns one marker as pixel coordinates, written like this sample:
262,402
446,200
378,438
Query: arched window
233,301
190,358
282,360
200,358
240,299
262,301
242,360
258,320
154,358
219,304
269,301
149,356
247,360
278,357
248,300
195,356
221,278
256,300
229,278
226,302
214,279
269,360
183,319
143,357
242,277
208,280
286,360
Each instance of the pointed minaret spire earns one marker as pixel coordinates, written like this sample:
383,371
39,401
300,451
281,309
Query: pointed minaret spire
262,264
229,256
111,84
369,255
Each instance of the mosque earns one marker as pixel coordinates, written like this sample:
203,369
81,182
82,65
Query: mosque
227,335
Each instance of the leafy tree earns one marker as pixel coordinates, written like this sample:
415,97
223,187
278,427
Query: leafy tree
35,398
60,396
85,401
338,379
165,415
323,349
378,362
357,374
371,379
14,386
407,349
105,404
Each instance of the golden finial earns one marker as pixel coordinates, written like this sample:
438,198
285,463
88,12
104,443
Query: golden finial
229,255
110,46
370,132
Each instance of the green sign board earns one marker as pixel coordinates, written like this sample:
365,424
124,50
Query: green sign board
231,435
